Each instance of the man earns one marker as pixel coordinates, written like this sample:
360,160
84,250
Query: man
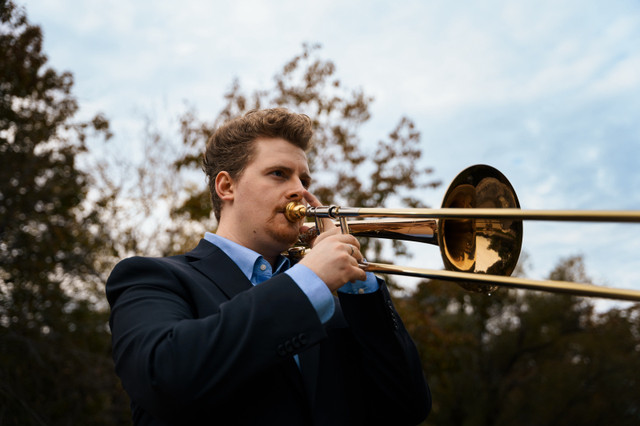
232,334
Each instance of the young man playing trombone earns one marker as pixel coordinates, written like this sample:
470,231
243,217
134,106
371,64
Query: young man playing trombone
231,333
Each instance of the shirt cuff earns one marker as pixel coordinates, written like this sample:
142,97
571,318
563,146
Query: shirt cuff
361,287
315,289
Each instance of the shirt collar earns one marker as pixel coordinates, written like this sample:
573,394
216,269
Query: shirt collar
246,259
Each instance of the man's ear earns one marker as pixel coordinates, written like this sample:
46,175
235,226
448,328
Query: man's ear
225,187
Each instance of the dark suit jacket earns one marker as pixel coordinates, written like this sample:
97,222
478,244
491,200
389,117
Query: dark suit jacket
195,343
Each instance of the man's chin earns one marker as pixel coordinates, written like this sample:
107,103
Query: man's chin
285,236
283,232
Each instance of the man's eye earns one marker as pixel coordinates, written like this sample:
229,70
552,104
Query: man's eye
278,173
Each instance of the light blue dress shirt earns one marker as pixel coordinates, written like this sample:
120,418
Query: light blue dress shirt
257,270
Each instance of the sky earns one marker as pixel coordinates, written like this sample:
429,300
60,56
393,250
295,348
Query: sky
548,92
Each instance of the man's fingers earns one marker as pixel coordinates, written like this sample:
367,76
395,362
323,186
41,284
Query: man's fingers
314,202
355,253
311,199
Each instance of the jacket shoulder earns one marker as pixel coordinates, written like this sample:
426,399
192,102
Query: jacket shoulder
139,270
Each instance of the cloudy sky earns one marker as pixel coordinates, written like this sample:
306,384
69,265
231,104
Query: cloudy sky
546,91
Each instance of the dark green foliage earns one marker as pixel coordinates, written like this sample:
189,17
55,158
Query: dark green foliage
526,358
54,349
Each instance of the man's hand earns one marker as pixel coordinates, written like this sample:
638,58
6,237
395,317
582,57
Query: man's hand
334,256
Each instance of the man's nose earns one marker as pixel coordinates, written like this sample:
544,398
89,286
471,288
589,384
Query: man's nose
296,192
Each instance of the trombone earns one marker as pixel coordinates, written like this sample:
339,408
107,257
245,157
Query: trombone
478,230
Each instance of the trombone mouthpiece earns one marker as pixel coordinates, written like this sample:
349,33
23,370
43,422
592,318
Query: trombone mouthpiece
294,211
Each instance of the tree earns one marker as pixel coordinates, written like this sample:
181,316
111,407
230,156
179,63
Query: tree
343,173
525,357
54,349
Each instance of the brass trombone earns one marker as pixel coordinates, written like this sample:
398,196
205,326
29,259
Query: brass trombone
478,229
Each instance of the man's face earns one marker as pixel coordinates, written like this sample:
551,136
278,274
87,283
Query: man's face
277,174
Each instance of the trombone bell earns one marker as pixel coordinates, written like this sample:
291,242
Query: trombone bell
480,245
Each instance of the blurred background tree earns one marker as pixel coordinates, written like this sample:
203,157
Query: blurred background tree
512,358
343,174
524,357
54,346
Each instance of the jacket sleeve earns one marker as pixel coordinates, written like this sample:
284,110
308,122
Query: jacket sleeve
391,368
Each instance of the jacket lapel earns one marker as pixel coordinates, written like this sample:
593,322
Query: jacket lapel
214,264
